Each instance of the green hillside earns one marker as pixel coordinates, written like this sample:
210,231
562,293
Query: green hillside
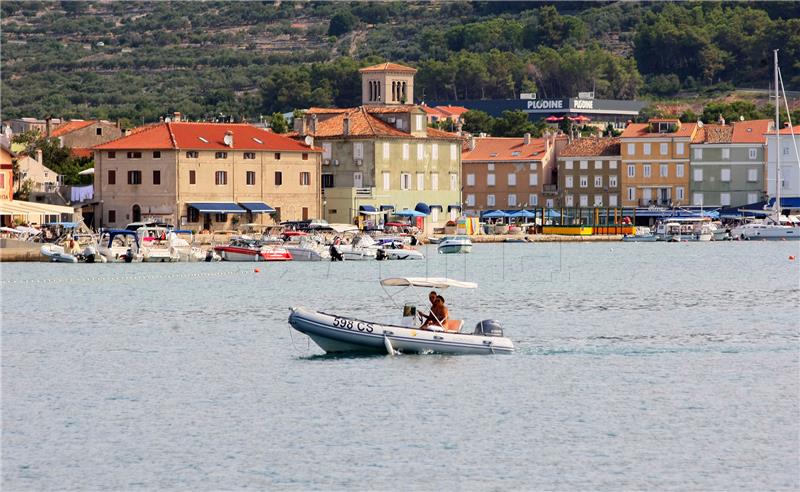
138,60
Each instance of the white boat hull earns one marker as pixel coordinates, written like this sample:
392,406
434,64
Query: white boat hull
403,254
339,334
357,254
446,249
305,254
56,254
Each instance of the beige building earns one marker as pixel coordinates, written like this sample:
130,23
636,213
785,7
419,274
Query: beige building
82,135
383,156
589,173
508,173
205,176
42,178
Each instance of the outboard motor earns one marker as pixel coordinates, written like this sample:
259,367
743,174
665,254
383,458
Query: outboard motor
489,328
380,254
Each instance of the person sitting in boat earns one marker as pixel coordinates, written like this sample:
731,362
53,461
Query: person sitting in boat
432,295
437,319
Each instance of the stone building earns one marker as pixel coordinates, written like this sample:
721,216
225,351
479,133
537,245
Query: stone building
589,173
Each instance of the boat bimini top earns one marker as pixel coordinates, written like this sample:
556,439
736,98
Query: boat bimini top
427,282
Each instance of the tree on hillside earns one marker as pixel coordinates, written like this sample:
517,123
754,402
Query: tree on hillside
513,124
278,123
342,22
476,122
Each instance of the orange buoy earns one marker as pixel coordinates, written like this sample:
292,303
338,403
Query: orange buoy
257,270
791,257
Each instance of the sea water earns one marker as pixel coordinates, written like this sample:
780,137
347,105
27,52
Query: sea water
638,366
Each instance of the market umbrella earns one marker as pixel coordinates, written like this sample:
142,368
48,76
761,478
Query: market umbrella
526,214
494,214
550,214
581,118
553,119
409,213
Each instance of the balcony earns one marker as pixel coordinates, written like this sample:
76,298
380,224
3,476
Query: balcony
550,189
364,192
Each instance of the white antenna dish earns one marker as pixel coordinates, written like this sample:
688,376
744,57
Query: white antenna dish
699,124
228,139
309,140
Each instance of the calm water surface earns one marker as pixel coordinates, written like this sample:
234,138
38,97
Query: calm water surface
638,366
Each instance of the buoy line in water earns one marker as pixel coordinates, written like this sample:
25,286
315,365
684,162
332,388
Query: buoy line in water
122,277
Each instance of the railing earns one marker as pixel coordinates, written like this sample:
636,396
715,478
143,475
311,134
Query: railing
550,189
364,192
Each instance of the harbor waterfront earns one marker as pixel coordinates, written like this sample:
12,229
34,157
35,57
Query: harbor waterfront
637,366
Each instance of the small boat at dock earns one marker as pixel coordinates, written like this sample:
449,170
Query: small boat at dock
454,244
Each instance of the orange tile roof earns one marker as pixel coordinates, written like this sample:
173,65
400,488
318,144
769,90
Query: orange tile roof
453,110
785,131
713,134
433,111
327,110
504,149
750,131
388,67
590,147
71,126
394,108
81,152
436,133
363,124
641,130
204,136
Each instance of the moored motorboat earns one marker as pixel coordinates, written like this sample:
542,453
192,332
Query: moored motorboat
120,245
640,235
454,244
247,249
340,334
56,254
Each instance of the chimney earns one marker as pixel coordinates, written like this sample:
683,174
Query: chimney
161,119
721,120
300,125
39,157
346,126
313,124
527,139
176,116
228,139
47,128
547,144
460,127
471,143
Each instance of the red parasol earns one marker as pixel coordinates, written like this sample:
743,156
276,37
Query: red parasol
581,118
553,119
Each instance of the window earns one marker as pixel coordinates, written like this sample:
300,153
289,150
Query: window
134,155
490,180
112,155
697,199
679,148
470,200
612,200
512,200
420,123
220,155
646,170
584,181
278,178
512,179
598,181
533,199
752,198
584,201
726,153
679,194
98,131
434,181
752,154
786,151
646,149
631,170
698,153
405,151
156,154
568,165
631,193
156,177
724,199
327,180
647,194
453,182
326,150
405,181
250,178
698,175
664,148
490,166
663,170
533,179
569,201
598,164
192,177
420,181
112,177
358,180
249,156
305,178
112,216
631,149
386,180
549,203
612,164
277,156
192,154
532,166
470,180
612,181
192,215
490,200
679,170
220,218
598,200
725,175
304,156
453,152
358,150
434,151
420,151
385,151
568,182
584,164
752,177
134,177
221,178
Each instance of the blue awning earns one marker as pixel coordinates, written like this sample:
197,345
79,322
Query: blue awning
787,202
436,206
423,208
257,207
217,208
453,207
366,208
387,207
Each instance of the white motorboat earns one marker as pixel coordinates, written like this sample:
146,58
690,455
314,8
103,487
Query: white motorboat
454,244
304,247
120,245
640,235
363,247
181,241
765,230
392,248
341,334
56,254
156,244
244,248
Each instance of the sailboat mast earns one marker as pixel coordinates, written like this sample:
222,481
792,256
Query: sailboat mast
777,144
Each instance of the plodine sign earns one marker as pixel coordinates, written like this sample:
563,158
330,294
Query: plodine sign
546,104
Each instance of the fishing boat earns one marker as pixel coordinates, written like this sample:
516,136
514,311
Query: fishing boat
243,248
342,334
454,244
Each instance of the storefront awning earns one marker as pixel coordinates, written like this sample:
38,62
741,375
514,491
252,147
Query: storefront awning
217,208
19,207
387,207
453,207
257,207
423,208
366,208
436,206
